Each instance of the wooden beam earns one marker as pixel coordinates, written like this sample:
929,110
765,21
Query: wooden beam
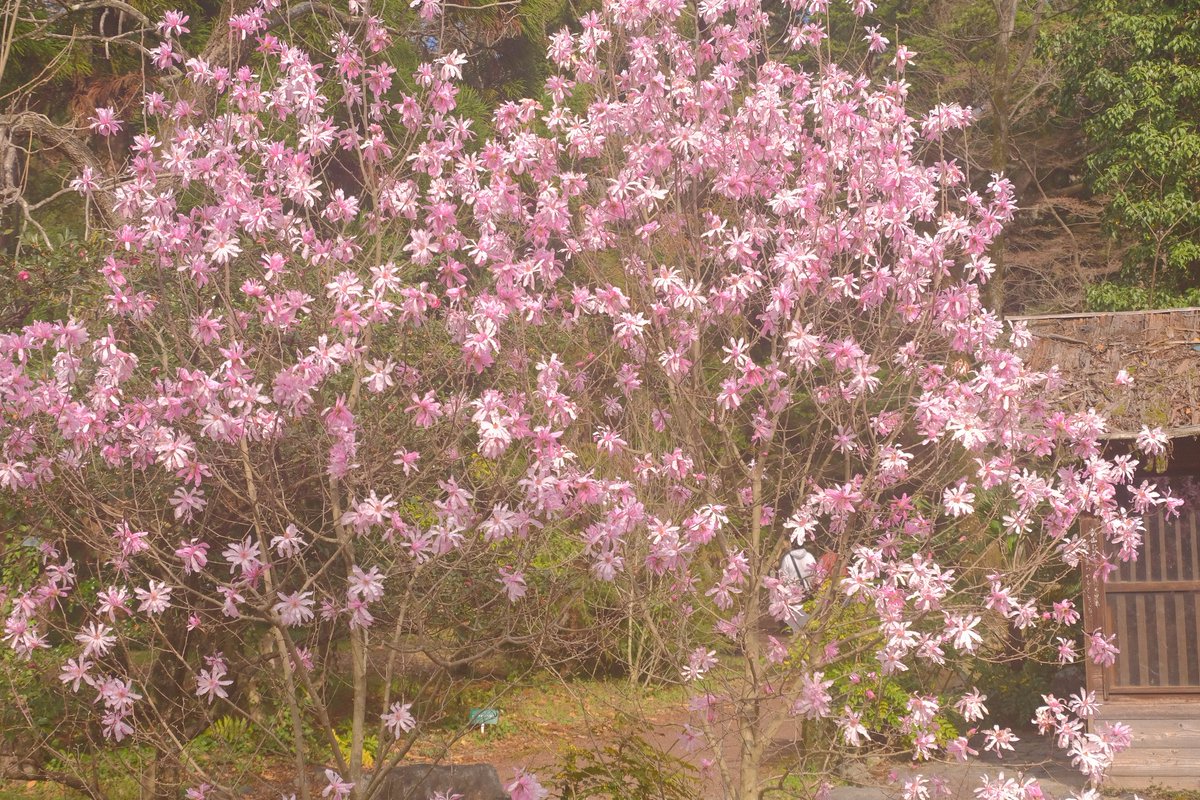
1091,314
1158,761
1181,734
1116,587
1145,782
1131,709
1180,432
1093,602
1184,693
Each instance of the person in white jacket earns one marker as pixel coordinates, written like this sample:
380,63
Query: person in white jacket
798,566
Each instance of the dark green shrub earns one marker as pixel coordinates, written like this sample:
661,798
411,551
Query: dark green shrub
628,769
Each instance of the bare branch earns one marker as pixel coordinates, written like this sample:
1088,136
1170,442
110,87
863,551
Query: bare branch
18,770
67,139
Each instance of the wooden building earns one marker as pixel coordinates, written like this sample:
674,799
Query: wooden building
1153,604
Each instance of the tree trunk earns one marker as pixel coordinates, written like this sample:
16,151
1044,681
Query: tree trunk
10,183
750,711
1006,20
358,652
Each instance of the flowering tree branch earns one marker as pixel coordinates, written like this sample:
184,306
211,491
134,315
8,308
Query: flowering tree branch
709,300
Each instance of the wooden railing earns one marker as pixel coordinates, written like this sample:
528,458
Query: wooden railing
1153,605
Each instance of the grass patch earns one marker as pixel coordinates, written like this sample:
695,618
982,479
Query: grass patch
548,714
540,720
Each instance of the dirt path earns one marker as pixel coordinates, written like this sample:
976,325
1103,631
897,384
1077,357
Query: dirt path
1033,757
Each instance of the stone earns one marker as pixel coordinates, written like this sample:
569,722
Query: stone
422,781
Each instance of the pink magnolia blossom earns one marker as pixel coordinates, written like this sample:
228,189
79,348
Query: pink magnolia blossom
193,554
1152,441
104,122
971,706
294,609
513,582
76,671
96,639
289,543
155,599
526,787
210,682
399,719
335,787
198,792
999,739
173,23
1101,650
706,296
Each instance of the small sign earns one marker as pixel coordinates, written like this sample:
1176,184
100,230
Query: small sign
483,717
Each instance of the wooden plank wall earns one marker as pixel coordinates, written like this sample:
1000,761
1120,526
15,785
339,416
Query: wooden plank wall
1153,605
1166,742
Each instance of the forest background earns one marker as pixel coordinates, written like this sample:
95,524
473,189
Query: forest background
1091,108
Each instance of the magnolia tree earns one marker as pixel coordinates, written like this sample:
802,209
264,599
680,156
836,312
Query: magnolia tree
359,370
